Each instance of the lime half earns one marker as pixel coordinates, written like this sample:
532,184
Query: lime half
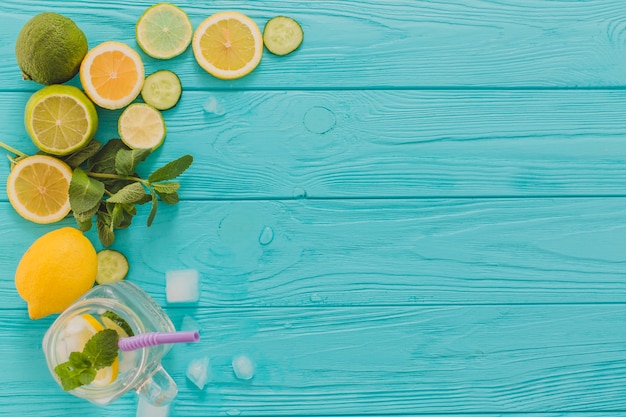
163,31
60,119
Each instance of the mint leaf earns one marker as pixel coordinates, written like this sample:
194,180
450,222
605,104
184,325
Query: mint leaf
77,371
103,224
166,187
104,161
84,219
172,169
153,209
77,158
101,348
130,194
127,160
169,198
117,215
85,192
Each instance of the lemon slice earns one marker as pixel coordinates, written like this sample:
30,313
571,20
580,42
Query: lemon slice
228,45
76,334
60,119
112,75
141,126
163,31
38,188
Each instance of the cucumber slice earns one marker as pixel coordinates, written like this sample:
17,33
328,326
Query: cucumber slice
113,321
162,90
282,35
112,266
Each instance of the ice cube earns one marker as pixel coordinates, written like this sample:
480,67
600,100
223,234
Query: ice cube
243,367
182,286
189,325
146,409
198,371
212,106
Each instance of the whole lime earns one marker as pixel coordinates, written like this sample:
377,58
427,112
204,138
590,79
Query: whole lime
50,48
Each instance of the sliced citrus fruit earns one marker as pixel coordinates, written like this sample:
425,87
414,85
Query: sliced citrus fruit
112,75
141,126
38,188
228,45
163,31
76,334
60,119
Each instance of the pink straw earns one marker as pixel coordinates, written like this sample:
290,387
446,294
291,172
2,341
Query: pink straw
152,339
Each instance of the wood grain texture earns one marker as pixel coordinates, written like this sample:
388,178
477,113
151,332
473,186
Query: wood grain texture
360,43
371,361
382,144
370,252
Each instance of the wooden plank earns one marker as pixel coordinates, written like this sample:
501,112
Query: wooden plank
369,252
373,361
383,143
362,43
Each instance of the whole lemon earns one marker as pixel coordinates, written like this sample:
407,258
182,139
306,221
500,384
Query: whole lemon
55,271
50,48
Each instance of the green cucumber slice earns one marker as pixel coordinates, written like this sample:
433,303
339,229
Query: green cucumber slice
282,35
112,266
162,90
113,321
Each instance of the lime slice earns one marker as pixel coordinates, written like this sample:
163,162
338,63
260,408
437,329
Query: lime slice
163,31
282,35
112,266
162,90
113,321
60,119
141,126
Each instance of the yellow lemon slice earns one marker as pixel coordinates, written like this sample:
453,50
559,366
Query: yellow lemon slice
228,45
112,75
38,188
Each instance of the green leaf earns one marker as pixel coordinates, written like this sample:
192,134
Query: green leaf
169,198
104,161
130,209
166,187
130,194
117,215
77,371
84,219
101,348
103,224
127,160
172,169
153,209
85,192
77,158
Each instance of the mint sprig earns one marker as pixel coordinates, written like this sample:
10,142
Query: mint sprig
99,352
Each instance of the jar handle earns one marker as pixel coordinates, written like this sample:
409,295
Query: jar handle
159,389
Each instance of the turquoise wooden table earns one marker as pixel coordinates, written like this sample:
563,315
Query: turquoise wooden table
422,211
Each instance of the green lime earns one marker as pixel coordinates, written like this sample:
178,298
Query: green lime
112,266
163,31
60,119
50,48
141,126
113,321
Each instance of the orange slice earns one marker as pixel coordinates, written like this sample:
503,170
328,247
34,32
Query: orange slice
38,188
228,45
112,75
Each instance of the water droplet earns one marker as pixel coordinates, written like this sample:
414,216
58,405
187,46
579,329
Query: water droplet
233,412
212,106
299,193
267,235
319,120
